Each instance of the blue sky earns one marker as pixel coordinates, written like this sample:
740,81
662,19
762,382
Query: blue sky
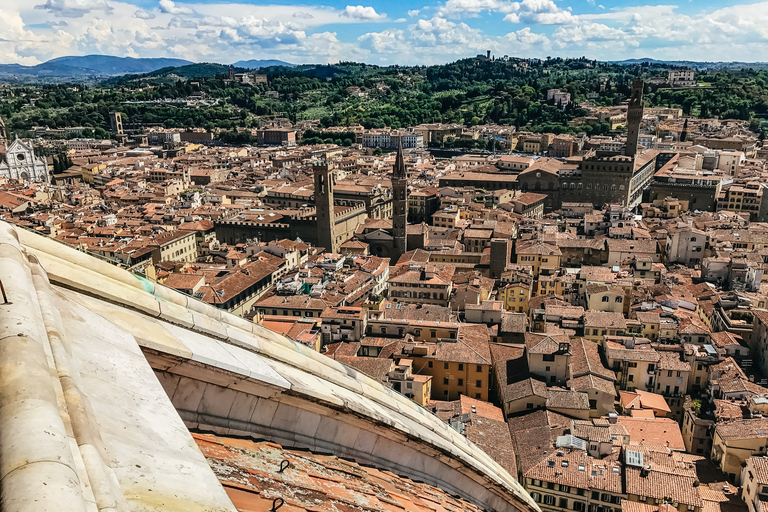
379,32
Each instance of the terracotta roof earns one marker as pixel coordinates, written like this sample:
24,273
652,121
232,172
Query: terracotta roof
576,468
470,347
658,430
640,399
754,428
248,471
543,344
673,361
567,399
585,360
372,366
604,319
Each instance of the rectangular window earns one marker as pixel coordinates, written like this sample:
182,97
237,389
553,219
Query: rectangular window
479,368
478,383
461,382
429,364
445,381
461,367
445,366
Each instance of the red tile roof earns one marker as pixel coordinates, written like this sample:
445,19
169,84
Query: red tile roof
248,471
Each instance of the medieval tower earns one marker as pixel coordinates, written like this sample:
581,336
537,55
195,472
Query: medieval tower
326,217
634,117
3,136
400,206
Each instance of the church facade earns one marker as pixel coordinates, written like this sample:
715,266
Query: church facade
18,160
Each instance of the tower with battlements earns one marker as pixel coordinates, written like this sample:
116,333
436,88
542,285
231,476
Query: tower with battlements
399,206
634,117
326,218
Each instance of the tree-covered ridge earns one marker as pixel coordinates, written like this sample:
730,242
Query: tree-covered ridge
470,91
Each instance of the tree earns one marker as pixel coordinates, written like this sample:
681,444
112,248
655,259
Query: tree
696,406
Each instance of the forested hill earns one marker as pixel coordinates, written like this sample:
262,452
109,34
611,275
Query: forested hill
469,91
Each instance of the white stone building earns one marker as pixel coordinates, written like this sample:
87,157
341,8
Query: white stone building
18,160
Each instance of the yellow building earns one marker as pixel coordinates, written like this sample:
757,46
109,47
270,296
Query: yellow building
515,296
599,324
416,387
448,218
540,256
606,298
548,357
461,367
735,442
754,482
174,246
635,368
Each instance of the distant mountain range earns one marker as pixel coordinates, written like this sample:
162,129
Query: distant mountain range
254,64
107,65
91,65
694,64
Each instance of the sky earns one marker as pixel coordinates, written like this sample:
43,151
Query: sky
383,32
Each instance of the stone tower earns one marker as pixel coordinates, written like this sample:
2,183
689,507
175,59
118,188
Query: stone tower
400,206
500,256
116,122
634,117
326,218
684,135
3,136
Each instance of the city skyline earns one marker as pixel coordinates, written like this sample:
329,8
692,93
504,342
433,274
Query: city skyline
380,32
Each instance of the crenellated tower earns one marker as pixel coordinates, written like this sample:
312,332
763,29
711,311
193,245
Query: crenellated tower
326,217
634,117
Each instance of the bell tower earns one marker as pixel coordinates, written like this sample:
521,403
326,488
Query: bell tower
400,206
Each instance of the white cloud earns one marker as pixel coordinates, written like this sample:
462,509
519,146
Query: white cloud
177,22
74,8
225,30
456,8
170,7
360,12
143,15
